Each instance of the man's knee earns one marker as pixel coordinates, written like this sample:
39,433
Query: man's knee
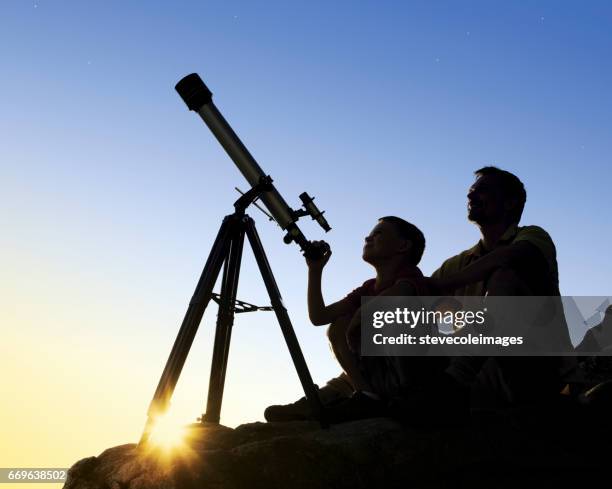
506,281
504,274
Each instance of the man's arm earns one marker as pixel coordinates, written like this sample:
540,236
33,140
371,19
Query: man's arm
318,312
506,256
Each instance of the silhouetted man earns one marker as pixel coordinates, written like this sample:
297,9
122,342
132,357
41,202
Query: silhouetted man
509,260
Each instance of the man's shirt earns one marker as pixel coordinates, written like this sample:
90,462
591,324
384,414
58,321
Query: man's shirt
542,276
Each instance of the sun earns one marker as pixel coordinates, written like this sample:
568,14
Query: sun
167,433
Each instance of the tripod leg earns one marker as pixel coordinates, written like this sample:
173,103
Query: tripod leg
195,311
225,322
285,323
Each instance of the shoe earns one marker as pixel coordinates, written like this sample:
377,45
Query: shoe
358,406
296,411
300,409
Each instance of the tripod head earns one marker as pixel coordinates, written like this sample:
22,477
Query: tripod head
198,98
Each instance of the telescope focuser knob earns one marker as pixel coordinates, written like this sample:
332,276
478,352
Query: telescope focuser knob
315,250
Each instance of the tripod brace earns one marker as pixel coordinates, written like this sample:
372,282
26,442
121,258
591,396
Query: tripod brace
227,251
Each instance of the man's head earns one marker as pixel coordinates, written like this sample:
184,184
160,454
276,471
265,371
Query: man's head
497,196
393,238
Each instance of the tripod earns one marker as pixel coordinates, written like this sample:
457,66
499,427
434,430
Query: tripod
227,251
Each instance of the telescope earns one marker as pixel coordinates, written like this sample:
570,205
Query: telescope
226,252
198,98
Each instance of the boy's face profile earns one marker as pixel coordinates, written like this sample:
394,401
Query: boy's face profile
383,243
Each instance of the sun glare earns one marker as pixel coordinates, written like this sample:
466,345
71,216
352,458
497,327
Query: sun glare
167,433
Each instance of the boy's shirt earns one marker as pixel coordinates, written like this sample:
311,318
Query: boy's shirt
408,273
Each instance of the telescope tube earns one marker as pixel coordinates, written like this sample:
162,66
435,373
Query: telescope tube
198,98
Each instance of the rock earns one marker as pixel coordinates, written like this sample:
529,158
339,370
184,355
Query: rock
503,449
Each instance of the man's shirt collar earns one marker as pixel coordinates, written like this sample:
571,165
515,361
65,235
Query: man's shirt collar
479,249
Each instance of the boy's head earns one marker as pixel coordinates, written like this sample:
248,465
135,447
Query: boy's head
394,237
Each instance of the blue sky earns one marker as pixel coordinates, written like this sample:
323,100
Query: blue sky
112,192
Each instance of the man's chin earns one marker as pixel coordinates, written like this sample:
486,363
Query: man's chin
480,220
475,217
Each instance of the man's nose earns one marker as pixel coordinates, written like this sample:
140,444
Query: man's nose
368,239
472,195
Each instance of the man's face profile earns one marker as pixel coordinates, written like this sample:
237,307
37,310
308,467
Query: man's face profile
485,200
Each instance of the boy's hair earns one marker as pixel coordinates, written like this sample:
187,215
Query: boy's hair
408,231
511,186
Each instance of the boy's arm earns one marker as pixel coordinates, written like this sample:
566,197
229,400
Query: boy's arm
318,312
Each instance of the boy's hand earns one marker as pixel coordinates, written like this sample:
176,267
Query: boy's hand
319,262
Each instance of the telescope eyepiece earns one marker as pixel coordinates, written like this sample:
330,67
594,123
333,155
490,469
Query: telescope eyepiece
194,92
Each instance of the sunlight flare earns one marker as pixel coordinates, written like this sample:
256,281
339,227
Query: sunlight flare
167,433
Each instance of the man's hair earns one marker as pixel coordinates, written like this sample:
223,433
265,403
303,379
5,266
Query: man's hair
408,231
512,188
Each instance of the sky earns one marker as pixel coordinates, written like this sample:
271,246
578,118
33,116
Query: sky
112,192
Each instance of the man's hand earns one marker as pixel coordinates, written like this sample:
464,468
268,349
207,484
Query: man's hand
317,264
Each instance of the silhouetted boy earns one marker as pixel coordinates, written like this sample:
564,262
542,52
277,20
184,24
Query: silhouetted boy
394,248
